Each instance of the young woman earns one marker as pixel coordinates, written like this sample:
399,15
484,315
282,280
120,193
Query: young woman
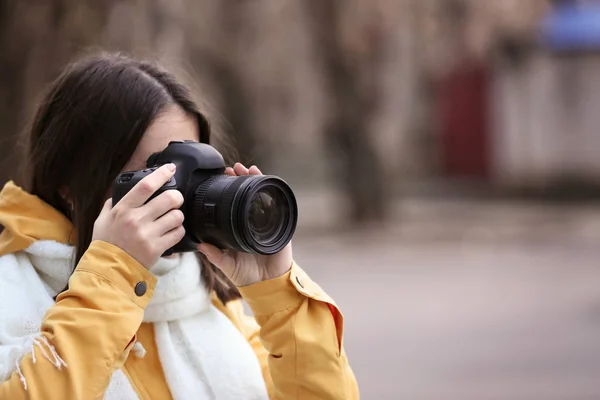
88,307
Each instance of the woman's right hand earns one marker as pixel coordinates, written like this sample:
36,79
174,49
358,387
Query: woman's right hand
143,230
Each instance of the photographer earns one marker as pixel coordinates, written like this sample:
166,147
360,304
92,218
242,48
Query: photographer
104,299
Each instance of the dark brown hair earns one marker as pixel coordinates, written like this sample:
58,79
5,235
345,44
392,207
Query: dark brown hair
86,130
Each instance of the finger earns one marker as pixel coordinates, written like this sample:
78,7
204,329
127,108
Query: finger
107,205
217,257
172,237
171,220
163,203
253,170
240,169
145,188
211,252
229,171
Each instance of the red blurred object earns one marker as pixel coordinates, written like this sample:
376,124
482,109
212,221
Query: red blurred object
462,99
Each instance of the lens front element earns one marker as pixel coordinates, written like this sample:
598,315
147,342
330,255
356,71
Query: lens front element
252,214
266,214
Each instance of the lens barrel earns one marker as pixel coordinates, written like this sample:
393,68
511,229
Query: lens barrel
252,213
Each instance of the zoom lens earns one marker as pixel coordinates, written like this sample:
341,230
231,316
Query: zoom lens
265,217
252,214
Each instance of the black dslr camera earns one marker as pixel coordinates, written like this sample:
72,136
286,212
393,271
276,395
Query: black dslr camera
253,213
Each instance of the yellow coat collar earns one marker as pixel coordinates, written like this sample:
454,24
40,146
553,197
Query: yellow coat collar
27,218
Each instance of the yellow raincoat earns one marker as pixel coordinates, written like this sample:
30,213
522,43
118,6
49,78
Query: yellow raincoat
296,333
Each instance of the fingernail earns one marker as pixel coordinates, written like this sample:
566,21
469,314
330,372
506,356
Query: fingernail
171,167
201,250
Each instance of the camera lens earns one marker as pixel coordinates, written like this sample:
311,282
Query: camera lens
253,214
265,217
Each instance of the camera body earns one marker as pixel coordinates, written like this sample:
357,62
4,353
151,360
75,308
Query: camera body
254,214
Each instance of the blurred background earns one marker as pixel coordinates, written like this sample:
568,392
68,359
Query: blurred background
445,155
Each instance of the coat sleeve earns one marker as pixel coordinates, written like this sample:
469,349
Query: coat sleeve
91,328
297,336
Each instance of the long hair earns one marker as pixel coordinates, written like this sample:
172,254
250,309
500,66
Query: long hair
85,131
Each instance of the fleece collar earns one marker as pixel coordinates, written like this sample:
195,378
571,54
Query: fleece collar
27,218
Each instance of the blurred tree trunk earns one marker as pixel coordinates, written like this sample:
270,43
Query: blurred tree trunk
349,67
12,59
36,40
235,106
223,60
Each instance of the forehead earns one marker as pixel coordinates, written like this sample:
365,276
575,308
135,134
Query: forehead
171,124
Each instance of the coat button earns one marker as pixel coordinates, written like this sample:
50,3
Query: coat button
140,289
299,280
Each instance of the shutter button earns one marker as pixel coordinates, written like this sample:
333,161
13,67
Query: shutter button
299,280
140,289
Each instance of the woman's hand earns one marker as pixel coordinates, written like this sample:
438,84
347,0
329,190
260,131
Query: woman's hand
143,230
242,268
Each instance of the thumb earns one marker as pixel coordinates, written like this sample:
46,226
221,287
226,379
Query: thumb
216,256
106,207
107,204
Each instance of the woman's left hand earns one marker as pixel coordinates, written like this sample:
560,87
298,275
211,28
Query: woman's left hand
243,268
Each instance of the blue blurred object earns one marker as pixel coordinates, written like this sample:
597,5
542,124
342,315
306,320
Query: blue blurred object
573,27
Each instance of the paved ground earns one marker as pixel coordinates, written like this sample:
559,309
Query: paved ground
465,300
